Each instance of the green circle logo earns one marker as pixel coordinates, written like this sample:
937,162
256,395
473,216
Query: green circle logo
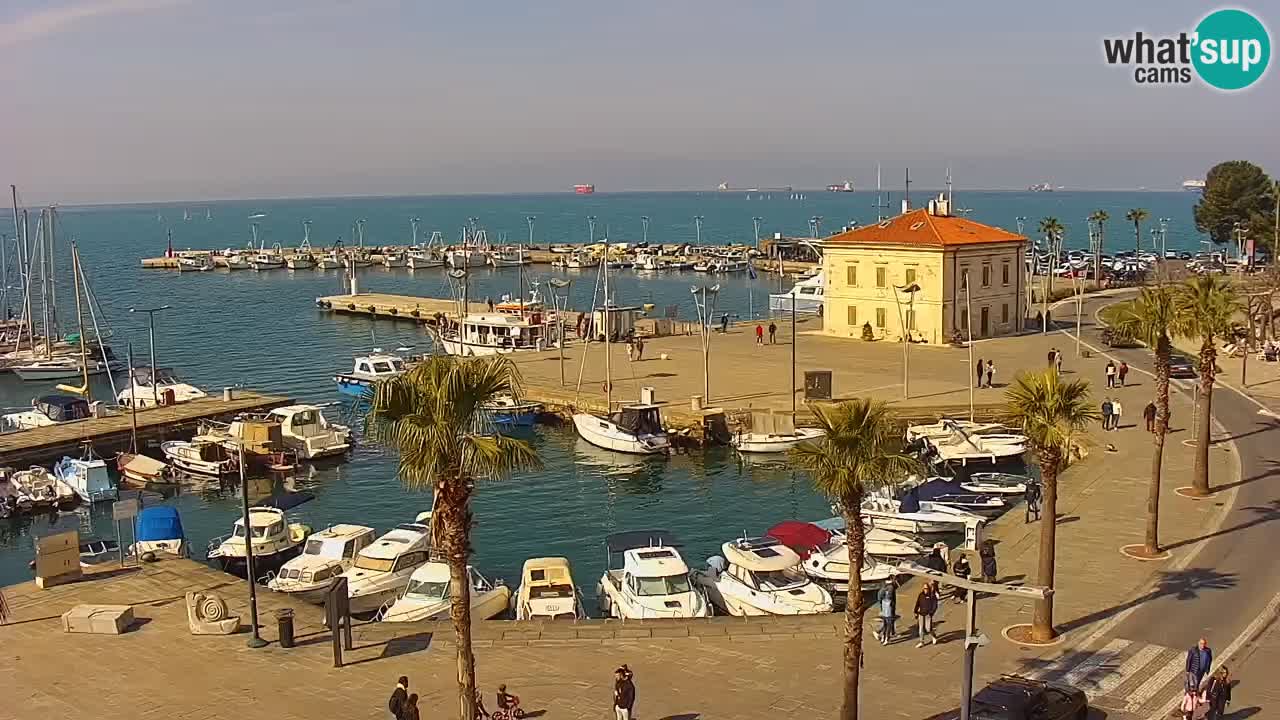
1232,49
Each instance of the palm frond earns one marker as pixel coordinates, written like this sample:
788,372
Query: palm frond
1149,317
861,451
1052,413
1206,307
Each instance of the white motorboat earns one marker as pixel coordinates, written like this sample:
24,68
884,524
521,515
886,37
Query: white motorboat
202,457
357,258
43,488
825,555
63,368
267,260
88,477
195,263
328,261
300,262
237,261
878,541
158,529
275,541
648,262
369,369
547,591
305,430
496,334
394,259
899,516
383,569
963,448
427,596
166,390
807,295
143,470
48,410
467,258
938,492
946,427
423,260
508,257
995,483
765,442
635,429
326,555
653,581
760,576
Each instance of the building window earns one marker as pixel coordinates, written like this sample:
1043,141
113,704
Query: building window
851,275
964,320
881,275
880,318
1004,309
853,315
1005,273
909,277
911,319
986,276
964,278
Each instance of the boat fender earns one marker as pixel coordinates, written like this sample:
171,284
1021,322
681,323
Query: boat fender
351,306
148,557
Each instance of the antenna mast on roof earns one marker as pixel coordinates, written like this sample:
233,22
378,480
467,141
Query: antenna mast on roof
881,203
948,185
906,198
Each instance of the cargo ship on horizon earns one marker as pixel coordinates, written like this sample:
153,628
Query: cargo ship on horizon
584,188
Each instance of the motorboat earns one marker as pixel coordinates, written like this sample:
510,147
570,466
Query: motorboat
825,556
300,262
328,261
547,591
885,512
144,470
771,442
383,569
576,260
63,368
732,265
88,477
946,427
266,260
43,488
394,259
995,483
258,436
427,596
422,260
158,529
48,410
194,263
367,370
806,295
508,257
326,555
357,258
98,552
237,261
938,491
496,334
653,581
467,257
703,266
506,411
166,389
760,576
878,541
306,431
648,262
200,456
962,448
635,429
275,541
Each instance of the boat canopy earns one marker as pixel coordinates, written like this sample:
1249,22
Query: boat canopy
63,408
623,541
760,554
160,522
288,501
143,465
547,571
802,537
639,419
164,376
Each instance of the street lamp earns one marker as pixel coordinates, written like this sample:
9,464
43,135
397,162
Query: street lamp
591,235
151,334
912,288
755,221
255,640
706,305
968,325
697,223
529,219
560,309
644,223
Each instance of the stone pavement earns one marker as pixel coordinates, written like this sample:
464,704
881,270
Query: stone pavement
725,668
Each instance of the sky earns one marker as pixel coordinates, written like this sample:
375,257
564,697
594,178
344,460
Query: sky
151,100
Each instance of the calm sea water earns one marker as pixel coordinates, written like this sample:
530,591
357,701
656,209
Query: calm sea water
261,330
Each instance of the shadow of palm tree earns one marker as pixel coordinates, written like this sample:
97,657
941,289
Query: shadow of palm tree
1264,514
1186,584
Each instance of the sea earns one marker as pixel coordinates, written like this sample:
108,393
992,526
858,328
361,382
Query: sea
262,331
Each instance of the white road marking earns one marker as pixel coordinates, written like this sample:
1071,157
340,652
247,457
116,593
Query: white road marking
1113,678
1176,666
1102,657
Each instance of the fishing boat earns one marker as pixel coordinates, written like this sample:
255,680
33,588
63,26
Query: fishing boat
328,261
238,261
877,541
392,258
306,431
165,388
653,581
275,541
88,477
267,260
508,257
62,368
495,334
356,257
825,556
158,529
195,263
423,259
760,576
807,295
383,569
547,591
427,596
505,410
48,410
202,457
300,262
579,261
367,370
326,555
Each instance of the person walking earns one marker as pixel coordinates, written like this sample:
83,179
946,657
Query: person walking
987,553
759,334
991,372
411,708
639,349
1031,498
624,693
1116,411
1057,359
1199,662
1053,355
399,697
724,323
1122,371
1149,415
960,568
978,370
773,333
926,606
935,561
1111,374
631,351
887,599
1217,693
1106,413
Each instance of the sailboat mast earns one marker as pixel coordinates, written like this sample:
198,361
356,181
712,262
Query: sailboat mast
42,229
24,248
53,281
84,350
608,368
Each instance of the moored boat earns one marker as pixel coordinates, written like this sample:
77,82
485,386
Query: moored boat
326,555
275,541
367,370
427,596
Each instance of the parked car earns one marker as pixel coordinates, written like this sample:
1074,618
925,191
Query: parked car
1181,366
1114,338
1012,697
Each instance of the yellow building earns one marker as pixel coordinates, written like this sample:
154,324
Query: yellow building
870,272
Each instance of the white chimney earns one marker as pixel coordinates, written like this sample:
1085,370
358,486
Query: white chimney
906,206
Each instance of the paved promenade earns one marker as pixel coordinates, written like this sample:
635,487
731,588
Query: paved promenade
722,668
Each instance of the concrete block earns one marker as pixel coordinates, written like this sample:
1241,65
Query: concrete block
98,619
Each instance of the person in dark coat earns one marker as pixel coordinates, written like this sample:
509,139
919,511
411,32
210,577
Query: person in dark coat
1217,693
935,561
979,369
1031,498
1149,416
624,693
773,333
1199,662
926,606
960,568
987,555
399,697
1122,371
411,708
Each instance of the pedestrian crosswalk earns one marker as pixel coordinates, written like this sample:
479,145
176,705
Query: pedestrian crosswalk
1121,676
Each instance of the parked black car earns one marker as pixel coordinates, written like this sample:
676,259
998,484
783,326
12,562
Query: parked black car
1013,697
1181,366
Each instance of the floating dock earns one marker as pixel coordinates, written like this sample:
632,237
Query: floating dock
423,310
112,433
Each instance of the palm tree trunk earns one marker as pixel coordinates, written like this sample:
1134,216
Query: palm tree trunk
1137,237
1042,621
853,609
1204,417
1151,544
453,505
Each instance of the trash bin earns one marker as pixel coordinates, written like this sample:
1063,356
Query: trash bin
284,624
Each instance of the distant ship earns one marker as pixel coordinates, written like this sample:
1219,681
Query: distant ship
584,188
1041,187
1193,185
725,187
846,186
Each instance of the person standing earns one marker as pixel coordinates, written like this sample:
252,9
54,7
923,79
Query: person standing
978,371
411,708
1111,374
1053,355
1199,661
1106,413
624,693
1031,498
935,561
926,606
724,323
1122,371
1057,359
991,372
1217,693
887,598
773,333
399,697
759,334
960,568
639,349
1116,411
987,553
631,351
1149,415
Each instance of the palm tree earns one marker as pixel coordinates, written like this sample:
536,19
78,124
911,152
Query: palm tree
861,451
1053,414
1206,306
434,416
1052,229
1136,216
1150,318
1100,217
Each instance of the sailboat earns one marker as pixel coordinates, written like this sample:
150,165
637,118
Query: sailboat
636,428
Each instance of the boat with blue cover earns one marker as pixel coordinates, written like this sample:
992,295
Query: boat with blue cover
367,370
158,529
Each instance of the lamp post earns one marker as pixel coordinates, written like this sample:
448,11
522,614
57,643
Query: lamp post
697,224
913,288
560,309
151,335
706,308
644,225
255,640
968,325
591,236
755,221
1029,266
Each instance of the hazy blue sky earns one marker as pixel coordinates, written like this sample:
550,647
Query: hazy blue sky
126,100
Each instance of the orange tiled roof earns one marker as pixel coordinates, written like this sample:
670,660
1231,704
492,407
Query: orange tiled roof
918,227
